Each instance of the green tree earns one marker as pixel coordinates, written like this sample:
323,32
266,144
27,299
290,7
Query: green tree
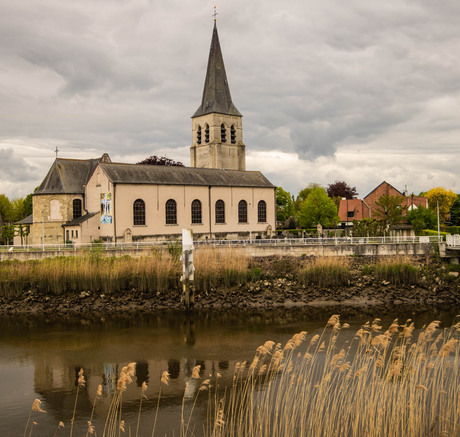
390,209
28,205
284,205
455,212
422,218
17,209
318,208
303,194
445,198
6,209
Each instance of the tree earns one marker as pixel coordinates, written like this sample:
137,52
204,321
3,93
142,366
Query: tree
445,198
422,218
17,209
6,209
390,209
284,205
455,212
161,160
341,189
28,209
303,194
318,208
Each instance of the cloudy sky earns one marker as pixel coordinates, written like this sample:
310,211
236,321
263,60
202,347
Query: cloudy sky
361,91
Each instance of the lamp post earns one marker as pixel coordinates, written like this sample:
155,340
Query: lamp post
43,231
439,227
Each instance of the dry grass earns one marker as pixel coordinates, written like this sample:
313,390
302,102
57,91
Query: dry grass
382,383
326,272
396,270
159,272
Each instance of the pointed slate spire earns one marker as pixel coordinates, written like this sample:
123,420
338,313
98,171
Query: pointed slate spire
216,93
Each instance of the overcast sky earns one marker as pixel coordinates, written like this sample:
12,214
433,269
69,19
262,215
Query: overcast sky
361,91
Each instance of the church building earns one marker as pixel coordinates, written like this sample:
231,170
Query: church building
95,199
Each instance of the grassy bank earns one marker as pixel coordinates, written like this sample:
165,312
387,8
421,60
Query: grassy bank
159,272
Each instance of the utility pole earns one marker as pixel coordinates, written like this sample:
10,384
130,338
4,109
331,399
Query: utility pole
439,227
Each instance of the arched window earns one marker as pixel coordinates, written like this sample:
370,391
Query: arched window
223,133
139,212
206,133
242,211
220,211
233,134
262,212
198,135
196,211
171,212
76,204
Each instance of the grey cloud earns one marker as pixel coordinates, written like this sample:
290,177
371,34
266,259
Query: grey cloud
14,168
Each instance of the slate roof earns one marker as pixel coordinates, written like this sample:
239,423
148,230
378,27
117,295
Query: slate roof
68,176
216,93
29,220
166,175
80,219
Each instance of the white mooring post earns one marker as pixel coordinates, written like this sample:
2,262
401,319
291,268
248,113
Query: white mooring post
187,277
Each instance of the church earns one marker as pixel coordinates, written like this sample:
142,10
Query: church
81,201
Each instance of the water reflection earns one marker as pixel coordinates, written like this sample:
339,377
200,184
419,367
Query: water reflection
55,351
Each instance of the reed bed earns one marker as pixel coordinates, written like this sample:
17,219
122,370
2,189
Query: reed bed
159,272
397,271
326,272
395,382
384,383
217,267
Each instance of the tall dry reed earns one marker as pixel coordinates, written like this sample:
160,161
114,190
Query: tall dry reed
396,270
326,272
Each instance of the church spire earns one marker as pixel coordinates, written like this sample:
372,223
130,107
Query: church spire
216,93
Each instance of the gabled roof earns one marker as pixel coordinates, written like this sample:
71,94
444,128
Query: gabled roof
68,176
166,175
29,220
216,93
378,186
81,219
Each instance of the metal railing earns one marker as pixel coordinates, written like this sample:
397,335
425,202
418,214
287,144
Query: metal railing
73,247
453,240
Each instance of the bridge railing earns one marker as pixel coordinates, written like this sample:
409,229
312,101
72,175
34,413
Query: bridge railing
135,245
453,240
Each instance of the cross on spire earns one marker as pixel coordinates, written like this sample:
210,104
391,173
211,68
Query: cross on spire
56,151
215,13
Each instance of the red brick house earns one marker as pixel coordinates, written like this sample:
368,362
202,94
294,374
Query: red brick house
357,209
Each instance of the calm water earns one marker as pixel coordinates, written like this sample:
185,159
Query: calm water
41,359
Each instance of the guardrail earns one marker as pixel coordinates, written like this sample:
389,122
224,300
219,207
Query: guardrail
453,240
225,243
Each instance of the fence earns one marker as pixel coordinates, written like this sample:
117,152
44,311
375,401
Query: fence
453,240
230,243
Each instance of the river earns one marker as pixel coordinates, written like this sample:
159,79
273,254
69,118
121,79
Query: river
40,358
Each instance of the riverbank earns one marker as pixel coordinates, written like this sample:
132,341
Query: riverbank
272,282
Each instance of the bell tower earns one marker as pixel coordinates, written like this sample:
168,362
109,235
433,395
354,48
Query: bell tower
217,125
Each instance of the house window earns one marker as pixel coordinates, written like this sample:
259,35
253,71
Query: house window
242,211
198,135
196,211
223,133
139,212
76,208
76,233
67,235
233,134
206,133
262,212
171,212
351,214
220,211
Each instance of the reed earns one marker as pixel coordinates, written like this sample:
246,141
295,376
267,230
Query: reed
326,272
397,271
382,383
159,272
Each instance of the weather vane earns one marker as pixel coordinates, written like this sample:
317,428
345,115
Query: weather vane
215,13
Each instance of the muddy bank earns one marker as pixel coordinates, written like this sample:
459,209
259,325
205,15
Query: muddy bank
277,286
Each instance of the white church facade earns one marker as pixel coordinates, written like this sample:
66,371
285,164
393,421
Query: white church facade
87,200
